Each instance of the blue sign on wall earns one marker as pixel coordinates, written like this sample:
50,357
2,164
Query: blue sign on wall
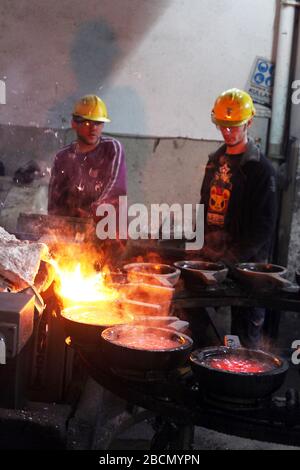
260,85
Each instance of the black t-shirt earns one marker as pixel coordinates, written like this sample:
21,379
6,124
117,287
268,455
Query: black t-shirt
239,197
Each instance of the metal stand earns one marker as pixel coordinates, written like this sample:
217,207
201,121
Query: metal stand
172,436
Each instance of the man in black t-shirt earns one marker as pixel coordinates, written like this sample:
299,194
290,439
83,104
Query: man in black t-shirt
239,195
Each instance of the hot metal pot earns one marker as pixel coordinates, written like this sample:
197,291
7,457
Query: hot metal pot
262,275
85,323
121,355
142,272
243,385
205,272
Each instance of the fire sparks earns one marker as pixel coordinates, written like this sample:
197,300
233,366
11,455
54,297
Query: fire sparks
80,187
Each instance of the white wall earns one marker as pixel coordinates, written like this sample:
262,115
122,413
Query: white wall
159,64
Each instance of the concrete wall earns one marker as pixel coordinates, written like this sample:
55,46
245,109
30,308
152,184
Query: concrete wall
293,193
294,242
295,107
159,64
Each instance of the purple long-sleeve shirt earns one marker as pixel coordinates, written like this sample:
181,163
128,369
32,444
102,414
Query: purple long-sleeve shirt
81,181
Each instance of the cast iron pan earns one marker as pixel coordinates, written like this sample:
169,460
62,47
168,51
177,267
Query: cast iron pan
124,357
203,272
238,385
84,332
263,275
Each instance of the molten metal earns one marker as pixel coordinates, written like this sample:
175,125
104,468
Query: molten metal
238,364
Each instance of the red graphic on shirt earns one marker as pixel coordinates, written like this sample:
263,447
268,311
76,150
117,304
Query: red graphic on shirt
219,198
220,192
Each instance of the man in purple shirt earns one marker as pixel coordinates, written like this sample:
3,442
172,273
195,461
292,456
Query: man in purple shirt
90,171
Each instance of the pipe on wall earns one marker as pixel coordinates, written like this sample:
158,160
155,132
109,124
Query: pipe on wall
282,78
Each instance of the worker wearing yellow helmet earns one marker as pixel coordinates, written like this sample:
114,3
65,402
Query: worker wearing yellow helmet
239,197
233,108
91,170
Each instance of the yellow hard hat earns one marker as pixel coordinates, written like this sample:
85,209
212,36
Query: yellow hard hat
91,107
233,108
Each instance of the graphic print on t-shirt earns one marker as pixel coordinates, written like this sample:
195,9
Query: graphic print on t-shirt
220,192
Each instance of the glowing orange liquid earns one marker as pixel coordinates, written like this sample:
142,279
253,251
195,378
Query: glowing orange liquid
147,341
238,364
104,315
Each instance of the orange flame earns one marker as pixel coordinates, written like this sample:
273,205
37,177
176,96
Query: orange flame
75,286
77,282
85,293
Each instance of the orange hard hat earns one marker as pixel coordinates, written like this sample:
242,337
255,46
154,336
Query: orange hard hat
233,108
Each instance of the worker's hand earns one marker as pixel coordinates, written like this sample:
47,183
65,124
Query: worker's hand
82,213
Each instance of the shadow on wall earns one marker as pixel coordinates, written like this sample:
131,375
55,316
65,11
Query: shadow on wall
94,52
95,56
98,50
103,34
